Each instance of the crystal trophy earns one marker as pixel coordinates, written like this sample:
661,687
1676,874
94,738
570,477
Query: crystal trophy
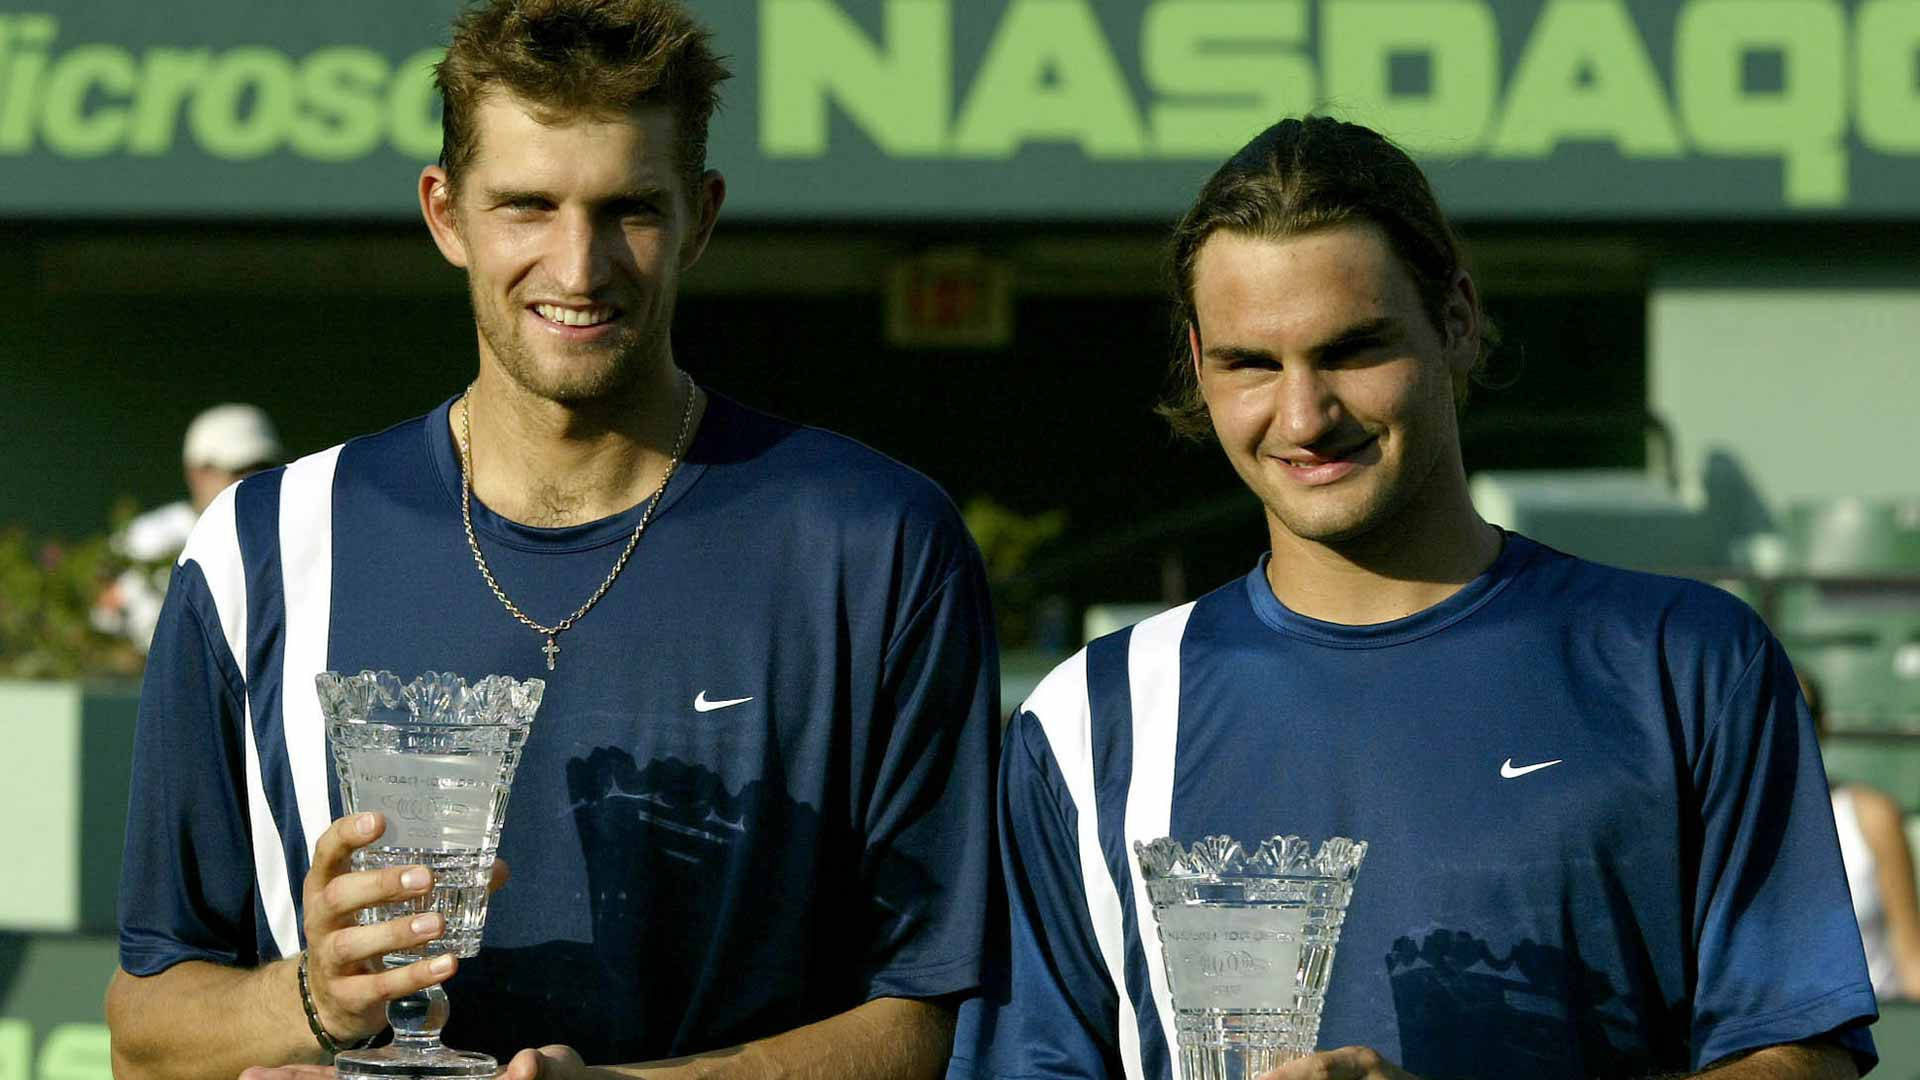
1248,943
436,757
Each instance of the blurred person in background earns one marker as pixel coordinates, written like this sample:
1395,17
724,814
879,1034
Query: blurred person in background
750,830
1879,862
223,444
1600,844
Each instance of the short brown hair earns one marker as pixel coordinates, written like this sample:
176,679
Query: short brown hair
1298,176
597,56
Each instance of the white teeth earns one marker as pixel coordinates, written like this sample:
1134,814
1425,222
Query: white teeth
592,316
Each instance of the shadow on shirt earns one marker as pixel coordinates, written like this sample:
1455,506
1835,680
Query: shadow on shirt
718,917
1536,1011
664,846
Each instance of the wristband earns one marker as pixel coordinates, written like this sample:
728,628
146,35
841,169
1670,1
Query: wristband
327,1042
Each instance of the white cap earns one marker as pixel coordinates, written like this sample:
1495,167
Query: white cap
231,437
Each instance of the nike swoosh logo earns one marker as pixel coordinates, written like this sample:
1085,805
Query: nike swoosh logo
1508,771
701,703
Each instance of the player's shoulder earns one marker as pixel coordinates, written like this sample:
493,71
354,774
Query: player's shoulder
1608,597
820,456
819,460
216,535
1055,721
1061,695
403,448
1061,699
253,503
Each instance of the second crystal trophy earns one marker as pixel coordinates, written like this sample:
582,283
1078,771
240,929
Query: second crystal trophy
436,758
1248,942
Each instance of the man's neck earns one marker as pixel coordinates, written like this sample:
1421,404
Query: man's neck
1392,572
544,463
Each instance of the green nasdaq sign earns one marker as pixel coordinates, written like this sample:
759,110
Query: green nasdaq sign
1062,109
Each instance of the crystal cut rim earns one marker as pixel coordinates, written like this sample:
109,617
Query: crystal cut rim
1338,858
430,698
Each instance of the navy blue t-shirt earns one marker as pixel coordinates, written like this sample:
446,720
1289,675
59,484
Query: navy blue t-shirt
1600,839
685,877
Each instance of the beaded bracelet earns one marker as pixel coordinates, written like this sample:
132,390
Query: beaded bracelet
327,1042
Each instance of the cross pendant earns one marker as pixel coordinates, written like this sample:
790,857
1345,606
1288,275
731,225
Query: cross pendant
552,649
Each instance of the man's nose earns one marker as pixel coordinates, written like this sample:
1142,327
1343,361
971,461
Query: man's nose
581,259
1308,409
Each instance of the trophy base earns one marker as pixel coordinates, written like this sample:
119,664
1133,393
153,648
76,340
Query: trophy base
1236,1063
390,1062
1227,1044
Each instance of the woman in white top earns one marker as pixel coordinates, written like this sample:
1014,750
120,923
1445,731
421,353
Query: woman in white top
1873,844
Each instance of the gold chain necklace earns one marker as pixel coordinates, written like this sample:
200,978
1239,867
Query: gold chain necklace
552,647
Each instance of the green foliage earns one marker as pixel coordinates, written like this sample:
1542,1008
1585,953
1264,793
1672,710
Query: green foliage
47,588
1008,540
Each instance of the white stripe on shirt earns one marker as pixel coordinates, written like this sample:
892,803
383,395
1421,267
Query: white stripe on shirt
306,576
215,546
1153,679
1060,703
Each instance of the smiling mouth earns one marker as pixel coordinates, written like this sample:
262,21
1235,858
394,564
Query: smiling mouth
577,317
1314,461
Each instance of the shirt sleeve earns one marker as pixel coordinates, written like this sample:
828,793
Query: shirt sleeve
1779,954
928,840
1049,1010
186,882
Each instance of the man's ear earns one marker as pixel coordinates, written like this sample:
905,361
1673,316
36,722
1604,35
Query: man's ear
437,207
1193,350
708,195
1461,320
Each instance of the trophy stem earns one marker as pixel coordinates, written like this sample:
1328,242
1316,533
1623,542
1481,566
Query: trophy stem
417,1019
416,1052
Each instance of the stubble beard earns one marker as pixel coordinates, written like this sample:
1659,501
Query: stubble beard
616,366
1337,517
1394,509
1336,525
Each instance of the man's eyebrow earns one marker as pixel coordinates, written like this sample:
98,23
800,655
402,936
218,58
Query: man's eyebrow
1369,332
1236,352
511,196
503,196
636,195
1360,334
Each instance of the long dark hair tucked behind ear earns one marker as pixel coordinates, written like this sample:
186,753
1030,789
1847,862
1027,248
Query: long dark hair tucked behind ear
1295,177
